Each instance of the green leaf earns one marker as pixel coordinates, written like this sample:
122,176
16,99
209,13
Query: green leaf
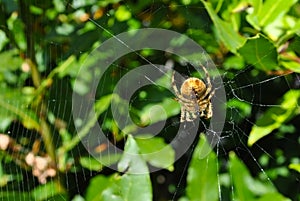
103,103
97,185
295,167
90,163
16,26
234,62
3,39
14,104
132,160
128,186
246,187
122,14
272,197
271,10
35,10
252,17
241,179
292,65
155,151
48,191
120,188
275,116
135,187
261,53
202,181
225,31
10,60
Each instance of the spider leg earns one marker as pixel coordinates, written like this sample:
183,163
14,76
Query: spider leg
208,83
206,107
209,111
182,114
174,85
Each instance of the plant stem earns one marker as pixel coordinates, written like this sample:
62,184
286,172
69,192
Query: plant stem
41,107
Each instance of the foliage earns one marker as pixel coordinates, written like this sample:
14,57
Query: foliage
43,44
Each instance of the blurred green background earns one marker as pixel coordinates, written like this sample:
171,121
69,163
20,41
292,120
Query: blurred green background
255,45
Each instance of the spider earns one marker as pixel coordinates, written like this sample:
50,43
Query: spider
194,97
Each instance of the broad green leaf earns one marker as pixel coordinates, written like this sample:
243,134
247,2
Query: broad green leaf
245,186
274,117
202,181
132,161
225,31
48,192
261,53
134,185
155,151
96,187
127,187
271,10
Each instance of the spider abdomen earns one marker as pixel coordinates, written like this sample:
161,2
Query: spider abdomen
193,87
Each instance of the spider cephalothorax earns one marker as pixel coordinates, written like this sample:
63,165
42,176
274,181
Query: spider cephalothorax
194,97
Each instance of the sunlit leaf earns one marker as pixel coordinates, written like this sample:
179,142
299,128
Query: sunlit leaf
3,39
122,13
225,31
155,151
274,117
261,53
292,65
271,10
295,167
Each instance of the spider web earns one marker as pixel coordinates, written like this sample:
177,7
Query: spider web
234,136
